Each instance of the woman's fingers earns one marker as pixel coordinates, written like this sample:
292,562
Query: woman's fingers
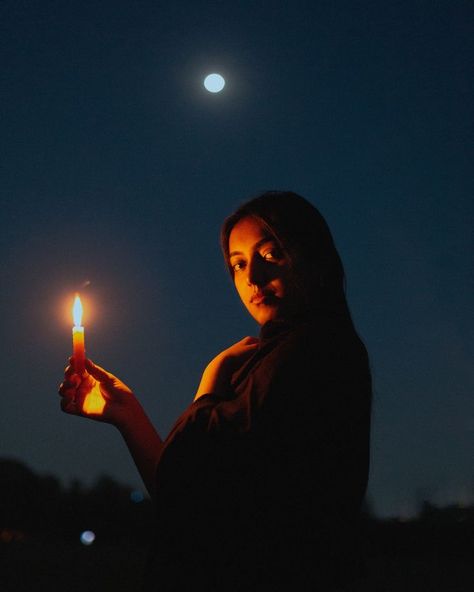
66,389
247,344
70,390
70,377
68,404
98,373
73,396
68,393
85,387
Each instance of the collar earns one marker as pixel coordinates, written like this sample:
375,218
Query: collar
276,327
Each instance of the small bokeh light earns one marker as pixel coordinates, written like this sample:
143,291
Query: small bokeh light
87,537
137,496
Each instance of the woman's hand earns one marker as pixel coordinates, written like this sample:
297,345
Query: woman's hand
102,396
217,375
97,394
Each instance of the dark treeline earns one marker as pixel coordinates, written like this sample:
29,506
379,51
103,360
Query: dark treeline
33,505
41,522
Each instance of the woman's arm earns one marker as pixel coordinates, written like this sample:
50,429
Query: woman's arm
122,409
144,444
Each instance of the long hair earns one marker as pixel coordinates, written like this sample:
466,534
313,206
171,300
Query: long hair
304,237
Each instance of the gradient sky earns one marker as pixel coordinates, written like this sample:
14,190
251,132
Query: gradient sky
118,169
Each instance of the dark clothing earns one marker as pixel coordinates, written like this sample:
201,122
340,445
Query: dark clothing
262,485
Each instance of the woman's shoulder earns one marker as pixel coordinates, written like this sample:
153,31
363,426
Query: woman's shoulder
314,353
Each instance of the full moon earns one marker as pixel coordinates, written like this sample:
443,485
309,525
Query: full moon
214,83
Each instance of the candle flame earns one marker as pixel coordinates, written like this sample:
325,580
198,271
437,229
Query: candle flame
77,311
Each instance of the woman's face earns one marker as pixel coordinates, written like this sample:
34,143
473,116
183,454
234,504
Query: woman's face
261,271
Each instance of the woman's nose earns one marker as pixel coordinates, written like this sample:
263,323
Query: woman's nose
255,272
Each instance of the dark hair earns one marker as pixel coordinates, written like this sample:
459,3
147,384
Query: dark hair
305,238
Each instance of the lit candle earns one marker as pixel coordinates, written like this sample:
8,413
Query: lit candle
78,348
94,401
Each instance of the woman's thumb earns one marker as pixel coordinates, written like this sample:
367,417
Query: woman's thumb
97,372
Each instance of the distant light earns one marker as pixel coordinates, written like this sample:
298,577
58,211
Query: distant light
214,83
87,537
137,496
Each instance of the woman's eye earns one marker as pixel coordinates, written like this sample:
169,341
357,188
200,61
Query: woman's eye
237,266
272,255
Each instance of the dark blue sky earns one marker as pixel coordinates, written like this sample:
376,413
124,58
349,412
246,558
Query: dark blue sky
118,169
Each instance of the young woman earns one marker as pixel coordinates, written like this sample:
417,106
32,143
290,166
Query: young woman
261,479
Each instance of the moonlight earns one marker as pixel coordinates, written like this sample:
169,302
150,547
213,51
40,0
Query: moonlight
214,83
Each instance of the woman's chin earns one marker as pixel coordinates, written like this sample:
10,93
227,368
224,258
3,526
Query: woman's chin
264,313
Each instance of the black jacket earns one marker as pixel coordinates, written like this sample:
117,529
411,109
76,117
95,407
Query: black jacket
262,485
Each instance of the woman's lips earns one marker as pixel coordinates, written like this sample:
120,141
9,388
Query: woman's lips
262,298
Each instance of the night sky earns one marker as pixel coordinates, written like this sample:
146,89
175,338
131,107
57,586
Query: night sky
118,167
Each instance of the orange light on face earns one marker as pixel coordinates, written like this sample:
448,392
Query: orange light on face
78,345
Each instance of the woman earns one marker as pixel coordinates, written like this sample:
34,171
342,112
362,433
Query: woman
261,479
